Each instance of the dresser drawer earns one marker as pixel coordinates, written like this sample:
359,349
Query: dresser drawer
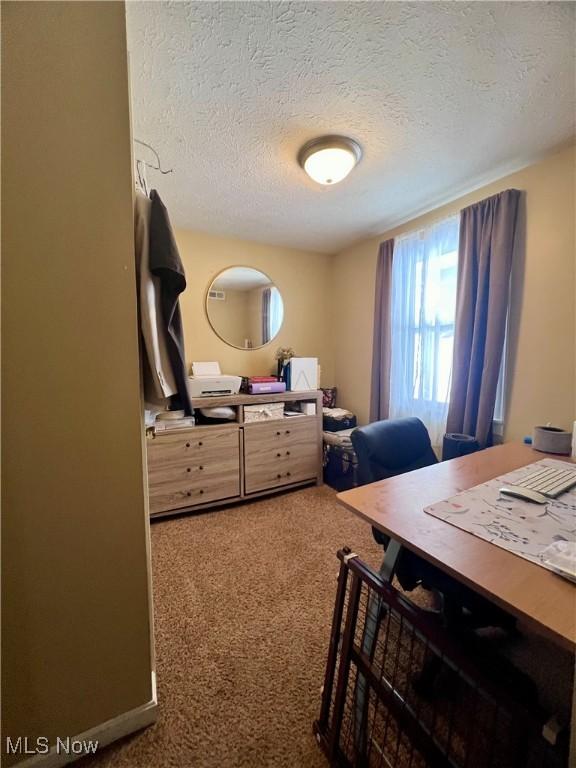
298,430
176,493
280,454
195,468
197,445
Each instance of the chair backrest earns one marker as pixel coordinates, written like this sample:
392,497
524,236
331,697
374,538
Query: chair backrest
391,447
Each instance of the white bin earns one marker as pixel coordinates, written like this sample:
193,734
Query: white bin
263,412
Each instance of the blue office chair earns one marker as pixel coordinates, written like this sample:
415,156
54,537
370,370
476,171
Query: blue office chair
385,449
392,447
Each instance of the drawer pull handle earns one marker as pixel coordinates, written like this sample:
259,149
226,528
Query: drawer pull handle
278,455
200,467
287,474
188,493
278,476
188,469
278,433
187,445
287,453
200,443
201,491
287,431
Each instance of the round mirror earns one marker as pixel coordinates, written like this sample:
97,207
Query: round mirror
244,307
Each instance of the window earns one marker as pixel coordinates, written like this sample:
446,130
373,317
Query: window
424,274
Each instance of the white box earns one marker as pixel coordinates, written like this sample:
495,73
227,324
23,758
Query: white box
308,408
263,412
303,374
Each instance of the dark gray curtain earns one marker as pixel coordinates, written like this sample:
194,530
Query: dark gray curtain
487,233
382,338
266,298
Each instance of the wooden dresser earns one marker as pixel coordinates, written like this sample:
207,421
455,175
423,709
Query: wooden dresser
207,465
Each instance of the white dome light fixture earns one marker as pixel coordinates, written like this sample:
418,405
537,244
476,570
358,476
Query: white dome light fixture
329,159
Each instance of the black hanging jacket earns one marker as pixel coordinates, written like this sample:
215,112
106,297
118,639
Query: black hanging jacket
166,264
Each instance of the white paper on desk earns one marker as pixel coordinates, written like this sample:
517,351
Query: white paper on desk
521,527
561,557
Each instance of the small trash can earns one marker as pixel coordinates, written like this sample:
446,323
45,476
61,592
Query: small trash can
455,445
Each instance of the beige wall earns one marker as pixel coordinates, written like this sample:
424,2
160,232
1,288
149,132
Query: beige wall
303,280
541,370
231,316
75,599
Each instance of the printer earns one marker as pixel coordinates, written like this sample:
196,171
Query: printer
208,381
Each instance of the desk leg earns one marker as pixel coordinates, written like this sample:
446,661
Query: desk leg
369,636
390,559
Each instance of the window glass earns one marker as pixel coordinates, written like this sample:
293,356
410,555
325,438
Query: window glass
424,276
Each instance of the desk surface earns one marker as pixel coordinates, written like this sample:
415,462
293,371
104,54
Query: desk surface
396,507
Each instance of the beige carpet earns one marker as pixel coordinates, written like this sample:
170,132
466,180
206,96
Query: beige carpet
243,602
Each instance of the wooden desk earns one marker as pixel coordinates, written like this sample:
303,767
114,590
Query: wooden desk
396,507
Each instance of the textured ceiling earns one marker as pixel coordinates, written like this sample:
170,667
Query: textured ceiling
441,96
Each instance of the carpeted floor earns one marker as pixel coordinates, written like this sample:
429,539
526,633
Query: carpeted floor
243,602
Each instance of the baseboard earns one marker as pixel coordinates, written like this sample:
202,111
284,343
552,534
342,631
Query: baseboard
104,733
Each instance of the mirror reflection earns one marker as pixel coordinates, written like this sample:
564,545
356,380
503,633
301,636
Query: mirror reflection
244,307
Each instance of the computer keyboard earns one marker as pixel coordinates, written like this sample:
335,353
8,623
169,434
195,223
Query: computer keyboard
549,481
542,484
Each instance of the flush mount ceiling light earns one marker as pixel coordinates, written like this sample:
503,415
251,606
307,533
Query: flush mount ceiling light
329,159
